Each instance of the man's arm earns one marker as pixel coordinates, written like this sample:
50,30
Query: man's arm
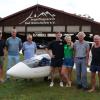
87,54
49,52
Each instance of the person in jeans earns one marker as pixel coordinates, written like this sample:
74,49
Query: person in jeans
81,53
68,61
95,63
55,49
14,45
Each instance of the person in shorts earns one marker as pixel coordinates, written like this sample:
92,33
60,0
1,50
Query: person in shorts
68,61
95,63
56,51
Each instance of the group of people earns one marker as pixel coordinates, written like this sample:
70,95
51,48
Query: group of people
11,47
63,56
65,53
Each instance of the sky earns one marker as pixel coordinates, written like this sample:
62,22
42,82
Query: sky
89,7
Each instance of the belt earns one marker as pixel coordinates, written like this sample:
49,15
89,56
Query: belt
80,57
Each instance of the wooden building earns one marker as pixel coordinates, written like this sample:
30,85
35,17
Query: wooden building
44,21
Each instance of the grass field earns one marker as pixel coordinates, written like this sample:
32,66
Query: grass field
37,89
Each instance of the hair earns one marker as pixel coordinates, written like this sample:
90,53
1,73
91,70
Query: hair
96,36
81,33
13,30
67,37
58,32
29,36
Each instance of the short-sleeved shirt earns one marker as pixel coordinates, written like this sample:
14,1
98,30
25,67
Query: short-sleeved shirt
80,48
2,45
95,56
13,45
57,48
29,49
68,51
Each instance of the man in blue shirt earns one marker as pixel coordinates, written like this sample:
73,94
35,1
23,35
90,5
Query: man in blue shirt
13,45
29,47
81,51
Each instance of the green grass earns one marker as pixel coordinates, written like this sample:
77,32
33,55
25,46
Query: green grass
40,90
37,89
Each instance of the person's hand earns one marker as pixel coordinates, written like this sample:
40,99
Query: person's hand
52,56
87,63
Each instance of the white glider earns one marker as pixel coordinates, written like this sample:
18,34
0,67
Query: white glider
37,66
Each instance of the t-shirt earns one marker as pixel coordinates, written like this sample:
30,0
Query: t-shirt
80,48
68,51
29,49
57,48
13,45
2,45
95,56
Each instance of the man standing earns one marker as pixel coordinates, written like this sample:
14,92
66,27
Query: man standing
2,47
29,47
81,48
95,63
14,45
56,51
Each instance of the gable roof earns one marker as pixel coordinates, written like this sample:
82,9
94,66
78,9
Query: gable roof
60,11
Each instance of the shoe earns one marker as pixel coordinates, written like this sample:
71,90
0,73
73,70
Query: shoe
61,84
51,84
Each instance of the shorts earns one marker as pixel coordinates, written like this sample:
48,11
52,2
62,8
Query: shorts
94,68
1,61
68,62
56,62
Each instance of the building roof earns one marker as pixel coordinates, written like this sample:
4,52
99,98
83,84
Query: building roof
60,11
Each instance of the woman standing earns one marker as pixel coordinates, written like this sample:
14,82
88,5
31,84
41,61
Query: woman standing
68,61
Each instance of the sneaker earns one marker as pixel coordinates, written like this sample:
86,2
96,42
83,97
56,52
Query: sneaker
51,84
61,84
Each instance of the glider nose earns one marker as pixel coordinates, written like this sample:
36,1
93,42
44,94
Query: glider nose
17,70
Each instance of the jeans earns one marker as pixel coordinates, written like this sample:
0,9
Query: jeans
12,60
81,72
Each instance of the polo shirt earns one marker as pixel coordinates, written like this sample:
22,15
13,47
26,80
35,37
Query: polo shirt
57,48
29,49
80,48
13,45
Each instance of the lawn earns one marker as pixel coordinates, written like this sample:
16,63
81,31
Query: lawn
38,89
